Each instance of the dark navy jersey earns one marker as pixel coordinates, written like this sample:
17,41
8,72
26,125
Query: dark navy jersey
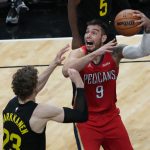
105,10
94,9
17,134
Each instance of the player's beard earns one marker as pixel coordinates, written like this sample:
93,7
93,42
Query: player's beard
90,50
95,47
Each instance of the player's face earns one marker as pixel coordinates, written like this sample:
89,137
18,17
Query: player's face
93,37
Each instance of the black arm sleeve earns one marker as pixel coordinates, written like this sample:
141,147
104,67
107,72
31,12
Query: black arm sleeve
80,111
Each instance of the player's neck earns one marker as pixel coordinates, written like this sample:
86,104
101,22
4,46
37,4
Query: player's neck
98,59
30,98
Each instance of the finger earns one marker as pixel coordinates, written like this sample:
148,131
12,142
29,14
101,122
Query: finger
111,47
64,49
141,24
137,15
67,46
138,21
137,12
112,41
110,51
109,43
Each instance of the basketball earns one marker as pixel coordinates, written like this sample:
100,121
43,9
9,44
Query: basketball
125,23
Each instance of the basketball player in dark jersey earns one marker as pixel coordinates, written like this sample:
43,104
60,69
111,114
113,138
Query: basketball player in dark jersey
98,64
82,11
24,121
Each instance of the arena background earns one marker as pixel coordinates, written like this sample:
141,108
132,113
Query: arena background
20,47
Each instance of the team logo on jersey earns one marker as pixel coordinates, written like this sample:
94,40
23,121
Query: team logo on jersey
106,64
89,65
16,109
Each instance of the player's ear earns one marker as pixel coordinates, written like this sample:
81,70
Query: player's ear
104,38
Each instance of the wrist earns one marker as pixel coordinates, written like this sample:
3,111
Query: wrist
147,29
79,85
94,54
53,64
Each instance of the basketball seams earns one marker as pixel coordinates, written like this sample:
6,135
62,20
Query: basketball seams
125,23
128,33
122,29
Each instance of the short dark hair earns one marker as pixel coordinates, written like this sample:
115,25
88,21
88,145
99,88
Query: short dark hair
24,82
99,23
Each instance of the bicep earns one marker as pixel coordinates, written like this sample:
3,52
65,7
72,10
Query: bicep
75,54
49,112
59,117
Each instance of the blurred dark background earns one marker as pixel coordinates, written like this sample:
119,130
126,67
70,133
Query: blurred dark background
46,19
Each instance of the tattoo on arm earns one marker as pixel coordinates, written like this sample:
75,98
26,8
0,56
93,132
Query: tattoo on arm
117,52
147,30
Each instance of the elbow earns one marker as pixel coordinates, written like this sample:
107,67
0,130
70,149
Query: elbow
83,117
65,72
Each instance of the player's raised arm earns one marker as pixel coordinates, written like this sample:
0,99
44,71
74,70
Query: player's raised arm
142,49
77,59
46,112
43,77
73,21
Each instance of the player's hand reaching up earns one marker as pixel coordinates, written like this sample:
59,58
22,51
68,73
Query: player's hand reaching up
106,48
143,20
75,78
59,57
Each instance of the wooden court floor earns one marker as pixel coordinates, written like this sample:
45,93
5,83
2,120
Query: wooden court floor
133,89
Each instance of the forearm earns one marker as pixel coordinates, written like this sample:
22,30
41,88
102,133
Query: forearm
80,111
72,17
43,77
139,50
147,29
77,63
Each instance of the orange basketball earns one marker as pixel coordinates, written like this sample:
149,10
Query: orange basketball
125,23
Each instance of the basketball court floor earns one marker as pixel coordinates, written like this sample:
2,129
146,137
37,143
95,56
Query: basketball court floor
133,89
37,45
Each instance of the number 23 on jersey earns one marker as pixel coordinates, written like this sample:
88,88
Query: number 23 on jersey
14,138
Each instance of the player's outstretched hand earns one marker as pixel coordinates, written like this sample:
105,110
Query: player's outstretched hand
107,47
59,57
143,20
